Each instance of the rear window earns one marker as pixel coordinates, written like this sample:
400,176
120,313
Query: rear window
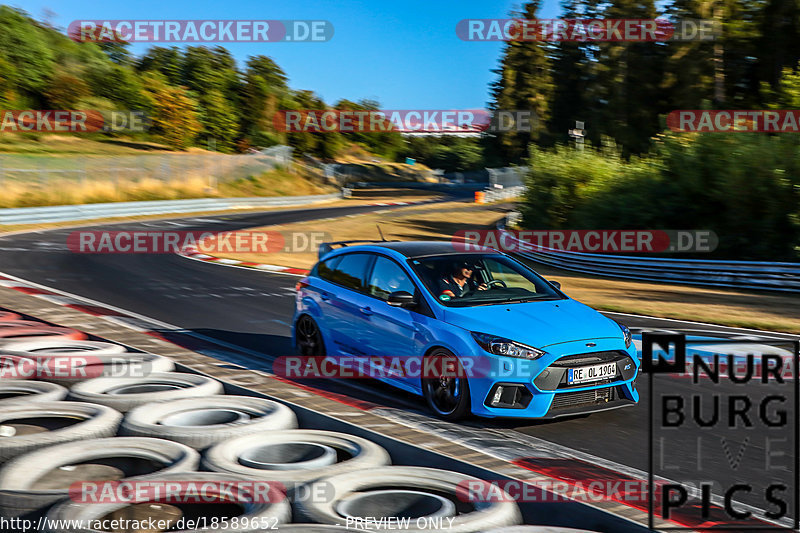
350,271
325,269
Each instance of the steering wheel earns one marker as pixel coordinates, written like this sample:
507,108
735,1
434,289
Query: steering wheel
497,283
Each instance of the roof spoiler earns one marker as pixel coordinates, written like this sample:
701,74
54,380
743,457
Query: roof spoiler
327,247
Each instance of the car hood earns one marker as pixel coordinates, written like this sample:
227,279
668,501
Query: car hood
537,324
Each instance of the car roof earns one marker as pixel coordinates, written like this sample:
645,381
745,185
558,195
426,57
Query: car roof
411,249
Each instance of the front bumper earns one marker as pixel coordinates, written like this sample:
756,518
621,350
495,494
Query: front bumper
543,392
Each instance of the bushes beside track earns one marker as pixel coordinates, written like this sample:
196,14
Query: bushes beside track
743,186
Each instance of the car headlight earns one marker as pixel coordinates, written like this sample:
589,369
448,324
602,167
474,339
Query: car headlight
500,346
626,333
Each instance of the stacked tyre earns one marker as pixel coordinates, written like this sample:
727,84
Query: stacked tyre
125,419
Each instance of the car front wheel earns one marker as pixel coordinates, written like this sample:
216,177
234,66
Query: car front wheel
445,386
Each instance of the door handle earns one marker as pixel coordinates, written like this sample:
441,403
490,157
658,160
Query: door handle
325,296
366,310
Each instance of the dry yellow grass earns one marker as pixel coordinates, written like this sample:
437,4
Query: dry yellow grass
425,222
758,310
189,185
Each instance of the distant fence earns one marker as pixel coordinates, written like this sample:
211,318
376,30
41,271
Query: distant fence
212,167
507,177
494,195
740,274
66,213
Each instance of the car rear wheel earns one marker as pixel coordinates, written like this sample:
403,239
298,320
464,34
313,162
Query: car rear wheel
445,386
308,338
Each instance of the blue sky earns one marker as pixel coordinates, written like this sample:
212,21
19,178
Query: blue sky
403,53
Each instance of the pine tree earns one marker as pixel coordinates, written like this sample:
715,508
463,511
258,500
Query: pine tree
524,83
628,79
573,74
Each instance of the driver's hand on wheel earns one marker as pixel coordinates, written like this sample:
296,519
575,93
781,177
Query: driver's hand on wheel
482,287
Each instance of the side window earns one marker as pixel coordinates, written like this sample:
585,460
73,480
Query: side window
350,271
325,269
388,277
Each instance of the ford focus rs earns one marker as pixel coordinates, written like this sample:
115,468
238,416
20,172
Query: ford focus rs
472,331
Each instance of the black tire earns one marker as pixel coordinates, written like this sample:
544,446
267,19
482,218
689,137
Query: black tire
85,421
202,422
350,453
123,394
308,338
370,492
26,493
260,516
16,391
447,396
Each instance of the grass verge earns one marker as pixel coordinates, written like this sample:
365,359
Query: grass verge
278,182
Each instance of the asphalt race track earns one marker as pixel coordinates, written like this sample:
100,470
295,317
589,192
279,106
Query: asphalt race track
252,309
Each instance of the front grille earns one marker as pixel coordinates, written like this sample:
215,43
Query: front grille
567,400
555,376
588,358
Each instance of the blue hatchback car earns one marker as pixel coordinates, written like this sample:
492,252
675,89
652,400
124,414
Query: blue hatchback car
473,331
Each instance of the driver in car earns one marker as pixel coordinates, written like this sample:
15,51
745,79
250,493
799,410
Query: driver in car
459,283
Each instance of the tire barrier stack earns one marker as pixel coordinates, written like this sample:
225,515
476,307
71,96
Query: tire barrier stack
155,427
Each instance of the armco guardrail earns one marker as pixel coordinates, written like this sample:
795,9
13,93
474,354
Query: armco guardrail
67,213
493,195
741,274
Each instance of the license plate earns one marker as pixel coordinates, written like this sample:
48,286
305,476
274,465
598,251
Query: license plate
585,374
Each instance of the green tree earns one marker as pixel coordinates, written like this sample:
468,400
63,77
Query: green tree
219,121
326,145
690,67
573,75
8,82
65,91
787,93
449,153
175,113
627,82
387,143
119,83
24,45
166,61
524,83
263,93
779,40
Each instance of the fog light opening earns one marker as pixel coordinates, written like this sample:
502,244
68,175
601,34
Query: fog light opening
508,396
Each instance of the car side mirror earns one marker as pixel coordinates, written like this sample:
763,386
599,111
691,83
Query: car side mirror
401,299
555,284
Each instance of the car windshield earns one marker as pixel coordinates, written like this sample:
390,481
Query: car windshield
481,279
